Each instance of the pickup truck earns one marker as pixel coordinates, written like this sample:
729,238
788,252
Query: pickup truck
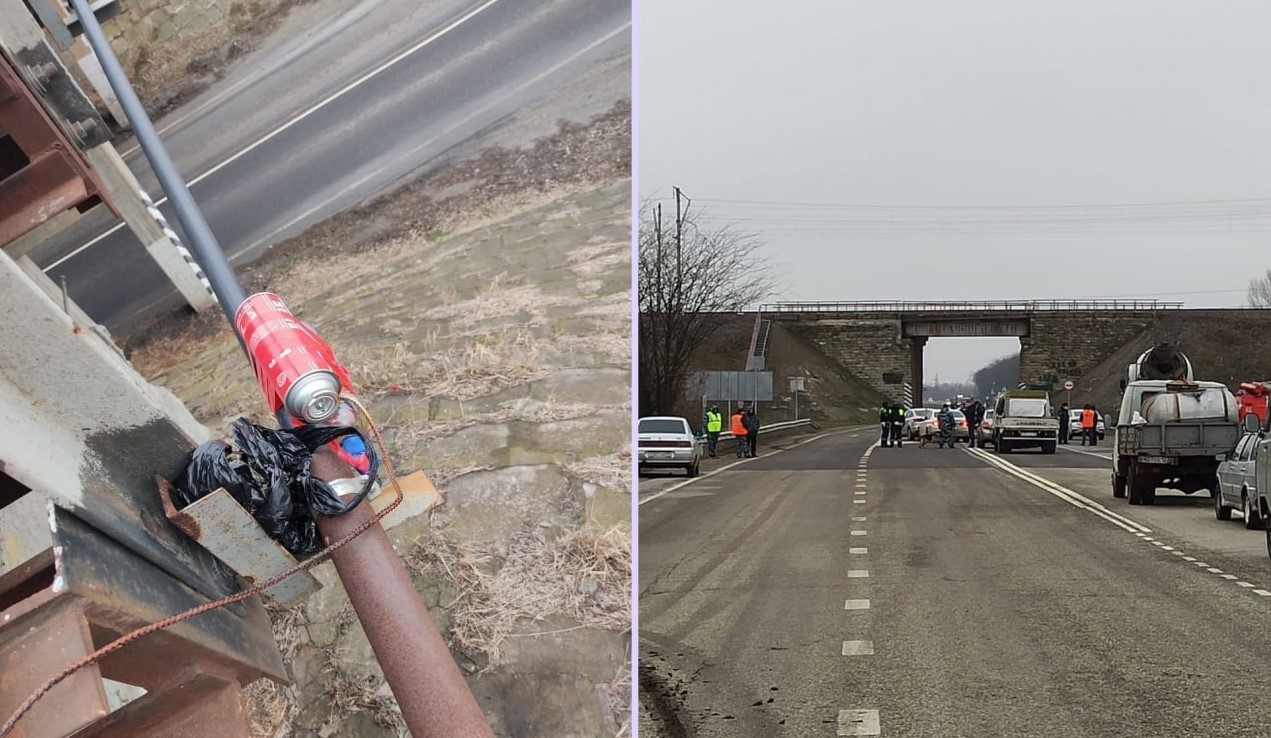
1171,433
1022,419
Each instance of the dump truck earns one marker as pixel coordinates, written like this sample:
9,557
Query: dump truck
1172,431
1023,418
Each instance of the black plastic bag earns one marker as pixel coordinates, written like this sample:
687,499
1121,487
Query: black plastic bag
269,476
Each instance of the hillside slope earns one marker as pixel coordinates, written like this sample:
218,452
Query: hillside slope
1227,351
831,395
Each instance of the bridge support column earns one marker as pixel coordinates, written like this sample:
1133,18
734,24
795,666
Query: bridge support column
916,345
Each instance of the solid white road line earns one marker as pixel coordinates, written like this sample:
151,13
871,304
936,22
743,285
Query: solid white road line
858,648
1073,498
858,722
726,467
303,115
857,551
856,605
1097,455
858,574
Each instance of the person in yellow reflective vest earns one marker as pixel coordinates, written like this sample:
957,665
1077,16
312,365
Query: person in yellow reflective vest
713,422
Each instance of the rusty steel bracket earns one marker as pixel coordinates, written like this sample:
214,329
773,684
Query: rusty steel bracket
231,534
54,177
94,591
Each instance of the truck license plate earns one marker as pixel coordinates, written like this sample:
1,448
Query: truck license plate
1157,459
661,454
1030,434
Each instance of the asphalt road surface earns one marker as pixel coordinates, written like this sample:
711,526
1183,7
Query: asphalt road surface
833,589
271,153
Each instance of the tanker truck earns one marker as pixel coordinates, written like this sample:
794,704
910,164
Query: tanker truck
1172,430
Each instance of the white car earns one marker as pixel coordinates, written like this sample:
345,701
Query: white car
1074,425
913,419
667,442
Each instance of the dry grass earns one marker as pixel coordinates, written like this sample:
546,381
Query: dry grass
497,301
612,471
620,699
483,366
271,707
348,695
585,574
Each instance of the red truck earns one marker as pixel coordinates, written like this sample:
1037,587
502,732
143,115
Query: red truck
1252,397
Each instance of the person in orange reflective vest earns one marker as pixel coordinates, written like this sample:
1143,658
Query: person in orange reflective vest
738,427
1089,427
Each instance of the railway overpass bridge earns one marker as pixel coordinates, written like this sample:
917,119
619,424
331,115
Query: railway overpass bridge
881,342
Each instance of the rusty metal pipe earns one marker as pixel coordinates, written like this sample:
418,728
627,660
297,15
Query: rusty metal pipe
434,698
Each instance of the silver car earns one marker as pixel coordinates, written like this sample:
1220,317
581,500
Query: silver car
667,442
986,427
1237,483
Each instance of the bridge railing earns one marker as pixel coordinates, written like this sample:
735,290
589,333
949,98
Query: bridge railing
1024,306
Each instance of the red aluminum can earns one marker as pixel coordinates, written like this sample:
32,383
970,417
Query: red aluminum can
294,367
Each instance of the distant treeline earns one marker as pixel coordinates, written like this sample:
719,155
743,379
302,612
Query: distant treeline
1001,373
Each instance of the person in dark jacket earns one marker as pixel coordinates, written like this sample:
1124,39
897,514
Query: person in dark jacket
898,425
974,416
1065,422
884,420
752,431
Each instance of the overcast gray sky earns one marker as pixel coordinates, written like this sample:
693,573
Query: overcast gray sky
994,132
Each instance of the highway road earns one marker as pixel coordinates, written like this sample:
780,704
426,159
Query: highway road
332,116
836,588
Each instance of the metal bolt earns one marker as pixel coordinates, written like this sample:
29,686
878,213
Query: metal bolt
41,75
82,129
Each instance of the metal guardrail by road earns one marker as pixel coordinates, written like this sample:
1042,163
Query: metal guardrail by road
786,425
1024,306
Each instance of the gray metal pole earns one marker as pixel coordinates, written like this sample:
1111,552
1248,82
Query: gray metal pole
202,242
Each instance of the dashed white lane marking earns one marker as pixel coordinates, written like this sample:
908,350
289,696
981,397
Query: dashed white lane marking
861,485
858,722
858,574
858,532
860,492
858,518
1120,521
856,605
858,648
857,551
859,502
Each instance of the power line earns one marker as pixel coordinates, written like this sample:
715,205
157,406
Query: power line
879,206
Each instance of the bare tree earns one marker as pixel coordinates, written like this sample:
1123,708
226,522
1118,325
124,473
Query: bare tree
687,273
1260,291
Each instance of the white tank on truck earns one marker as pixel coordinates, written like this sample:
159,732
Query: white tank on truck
1162,361
1172,430
1185,402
